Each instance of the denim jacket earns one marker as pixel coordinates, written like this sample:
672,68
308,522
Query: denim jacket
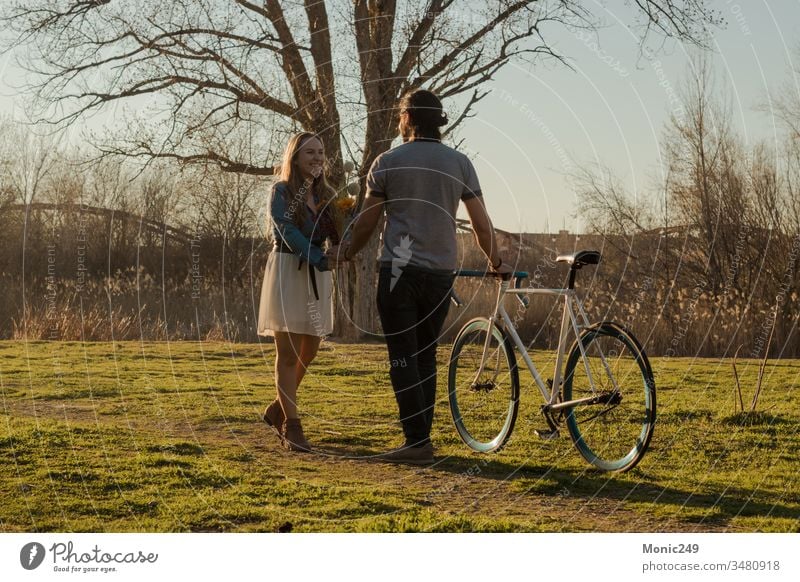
306,241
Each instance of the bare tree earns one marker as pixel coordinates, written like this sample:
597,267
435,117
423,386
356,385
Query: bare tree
791,171
109,185
27,159
206,67
607,207
786,106
707,185
225,208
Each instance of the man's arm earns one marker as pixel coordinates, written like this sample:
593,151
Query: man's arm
364,226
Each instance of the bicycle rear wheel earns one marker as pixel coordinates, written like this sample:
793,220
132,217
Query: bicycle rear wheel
612,432
484,407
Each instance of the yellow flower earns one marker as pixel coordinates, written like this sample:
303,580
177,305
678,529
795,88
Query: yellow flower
345,203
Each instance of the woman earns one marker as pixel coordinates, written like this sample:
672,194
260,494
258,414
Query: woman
419,185
296,296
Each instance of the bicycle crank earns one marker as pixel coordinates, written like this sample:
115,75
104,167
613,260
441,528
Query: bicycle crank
612,398
550,433
487,386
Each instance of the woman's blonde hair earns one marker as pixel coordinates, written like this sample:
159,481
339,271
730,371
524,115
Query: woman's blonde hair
297,189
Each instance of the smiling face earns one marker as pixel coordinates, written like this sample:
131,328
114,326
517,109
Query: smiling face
310,158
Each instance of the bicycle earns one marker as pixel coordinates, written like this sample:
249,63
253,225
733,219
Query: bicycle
606,395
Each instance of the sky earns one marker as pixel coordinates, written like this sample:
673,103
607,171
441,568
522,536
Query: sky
540,124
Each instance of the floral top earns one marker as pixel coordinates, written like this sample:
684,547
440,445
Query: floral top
305,241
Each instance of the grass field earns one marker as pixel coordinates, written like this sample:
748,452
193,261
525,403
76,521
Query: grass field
167,437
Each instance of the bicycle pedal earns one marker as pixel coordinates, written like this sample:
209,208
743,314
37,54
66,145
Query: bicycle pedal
547,435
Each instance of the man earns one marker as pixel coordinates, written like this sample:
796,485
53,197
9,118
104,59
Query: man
418,185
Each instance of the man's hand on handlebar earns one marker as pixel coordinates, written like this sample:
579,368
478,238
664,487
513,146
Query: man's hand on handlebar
503,269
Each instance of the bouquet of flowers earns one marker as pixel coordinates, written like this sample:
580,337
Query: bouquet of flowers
346,202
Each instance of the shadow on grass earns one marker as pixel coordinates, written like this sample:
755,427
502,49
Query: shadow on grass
756,418
361,451
633,487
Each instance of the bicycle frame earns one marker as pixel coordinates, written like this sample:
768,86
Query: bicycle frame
569,319
593,393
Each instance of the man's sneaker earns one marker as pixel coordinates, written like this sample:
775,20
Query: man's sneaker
412,455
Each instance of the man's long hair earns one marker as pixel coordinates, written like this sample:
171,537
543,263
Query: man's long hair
425,115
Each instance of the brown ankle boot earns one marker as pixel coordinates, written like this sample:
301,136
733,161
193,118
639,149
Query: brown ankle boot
273,415
293,437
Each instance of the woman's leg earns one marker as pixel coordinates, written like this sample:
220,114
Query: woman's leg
309,347
295,352
290,355
287,358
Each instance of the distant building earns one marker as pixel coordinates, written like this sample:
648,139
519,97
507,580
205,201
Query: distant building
550,244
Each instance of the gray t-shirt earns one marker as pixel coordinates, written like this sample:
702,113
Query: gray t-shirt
422,182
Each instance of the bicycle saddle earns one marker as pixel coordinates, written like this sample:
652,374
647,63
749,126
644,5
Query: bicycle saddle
579,259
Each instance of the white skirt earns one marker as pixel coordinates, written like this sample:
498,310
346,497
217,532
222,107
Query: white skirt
288,302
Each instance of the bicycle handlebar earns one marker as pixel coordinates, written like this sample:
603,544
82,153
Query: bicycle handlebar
518,276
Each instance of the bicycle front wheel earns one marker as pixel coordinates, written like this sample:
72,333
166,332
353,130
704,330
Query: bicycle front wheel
613,426
483,386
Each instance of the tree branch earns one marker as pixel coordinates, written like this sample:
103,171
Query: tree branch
465,112
292,61
442,64
415,43
223,162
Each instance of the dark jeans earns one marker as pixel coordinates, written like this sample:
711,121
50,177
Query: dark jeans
413,307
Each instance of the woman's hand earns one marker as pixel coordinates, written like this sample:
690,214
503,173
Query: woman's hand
333,262
338,253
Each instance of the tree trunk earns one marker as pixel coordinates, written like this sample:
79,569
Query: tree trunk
357,312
